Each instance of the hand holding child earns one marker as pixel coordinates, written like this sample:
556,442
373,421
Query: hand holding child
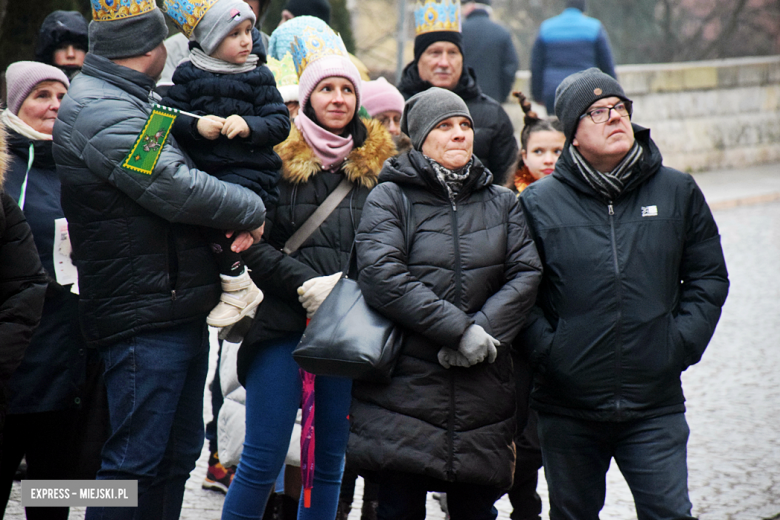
210,126
235,126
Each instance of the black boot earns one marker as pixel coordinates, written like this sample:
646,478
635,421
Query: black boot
342,512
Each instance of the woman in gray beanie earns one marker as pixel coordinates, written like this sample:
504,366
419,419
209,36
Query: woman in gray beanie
445,254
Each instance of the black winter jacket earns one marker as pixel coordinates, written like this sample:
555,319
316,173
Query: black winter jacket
471,261
494,139
22,287
250,161
52,372
631,293
142,261
304,186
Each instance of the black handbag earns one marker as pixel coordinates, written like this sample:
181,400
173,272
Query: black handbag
348,338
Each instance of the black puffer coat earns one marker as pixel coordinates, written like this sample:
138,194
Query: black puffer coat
53,370
631,294
472,261
494,139
253,95
304,186
22,286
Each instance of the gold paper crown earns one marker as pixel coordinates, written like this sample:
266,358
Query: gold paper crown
186,14
436,15
108,10
283,70
316,43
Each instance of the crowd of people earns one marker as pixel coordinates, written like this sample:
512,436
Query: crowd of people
550,291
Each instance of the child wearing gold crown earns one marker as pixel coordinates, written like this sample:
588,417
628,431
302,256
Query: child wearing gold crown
225,81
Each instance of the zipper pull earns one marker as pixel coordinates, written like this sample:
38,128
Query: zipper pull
611,210
173,295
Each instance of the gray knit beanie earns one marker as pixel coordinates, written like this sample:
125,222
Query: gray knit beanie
21,78
127,37
423,111
219,21
579,91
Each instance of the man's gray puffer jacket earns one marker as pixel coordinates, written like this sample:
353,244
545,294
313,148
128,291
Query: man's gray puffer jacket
141,260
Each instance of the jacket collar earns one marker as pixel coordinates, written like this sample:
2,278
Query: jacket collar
414,169
567,172
411,83
362,165
20,146
131,81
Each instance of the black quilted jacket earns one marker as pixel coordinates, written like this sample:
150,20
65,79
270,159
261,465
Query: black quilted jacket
471,261
251,161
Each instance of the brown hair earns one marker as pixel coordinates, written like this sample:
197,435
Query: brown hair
533,123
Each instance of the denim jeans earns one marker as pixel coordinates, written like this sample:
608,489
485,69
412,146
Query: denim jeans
402,497
651,454
155,383
273,396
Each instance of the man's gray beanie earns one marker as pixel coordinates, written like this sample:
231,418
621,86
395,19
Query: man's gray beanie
127,37
579,91
219,21
423,111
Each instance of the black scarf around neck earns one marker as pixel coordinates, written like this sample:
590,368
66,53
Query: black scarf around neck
610,184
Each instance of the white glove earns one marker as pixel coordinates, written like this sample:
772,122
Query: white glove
476,345
451,358
314,291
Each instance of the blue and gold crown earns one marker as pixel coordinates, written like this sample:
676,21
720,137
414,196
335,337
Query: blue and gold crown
109,10
436,15
186,14
316,43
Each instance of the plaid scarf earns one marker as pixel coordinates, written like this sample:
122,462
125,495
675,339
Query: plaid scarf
610,184
451,179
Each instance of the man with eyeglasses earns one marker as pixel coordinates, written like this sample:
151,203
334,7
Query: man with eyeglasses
633,285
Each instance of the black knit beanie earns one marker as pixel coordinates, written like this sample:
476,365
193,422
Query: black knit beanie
425,40
579,91
318,8
423,111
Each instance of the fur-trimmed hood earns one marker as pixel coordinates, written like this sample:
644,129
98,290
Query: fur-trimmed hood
299,163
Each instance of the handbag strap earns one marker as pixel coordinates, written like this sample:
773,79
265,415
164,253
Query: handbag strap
318,217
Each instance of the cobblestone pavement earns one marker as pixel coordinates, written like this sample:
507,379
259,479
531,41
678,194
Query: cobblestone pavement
734,448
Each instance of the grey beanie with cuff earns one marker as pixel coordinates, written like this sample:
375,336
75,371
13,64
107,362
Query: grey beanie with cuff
579,91
423,111
219,21
127,37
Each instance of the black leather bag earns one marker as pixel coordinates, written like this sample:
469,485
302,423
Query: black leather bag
348,338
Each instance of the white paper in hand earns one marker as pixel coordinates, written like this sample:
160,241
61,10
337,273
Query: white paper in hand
64,270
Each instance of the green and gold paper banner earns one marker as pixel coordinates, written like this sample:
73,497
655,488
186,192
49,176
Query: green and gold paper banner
148,147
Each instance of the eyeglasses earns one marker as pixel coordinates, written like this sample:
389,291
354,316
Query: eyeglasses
601,114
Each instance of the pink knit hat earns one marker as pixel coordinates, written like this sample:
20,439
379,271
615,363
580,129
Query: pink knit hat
22,77
327,67
380,96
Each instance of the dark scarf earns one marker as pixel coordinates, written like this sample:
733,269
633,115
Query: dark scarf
451,179
609,184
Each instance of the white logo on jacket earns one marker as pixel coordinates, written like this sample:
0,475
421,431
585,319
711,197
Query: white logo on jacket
649,211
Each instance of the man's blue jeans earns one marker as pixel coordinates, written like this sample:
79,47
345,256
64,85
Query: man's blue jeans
155,383
651,454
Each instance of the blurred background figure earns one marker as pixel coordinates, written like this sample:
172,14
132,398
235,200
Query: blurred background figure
567,43
488,49
385,103
63,41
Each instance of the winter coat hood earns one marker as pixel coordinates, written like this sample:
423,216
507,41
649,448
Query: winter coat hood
59,28
361,166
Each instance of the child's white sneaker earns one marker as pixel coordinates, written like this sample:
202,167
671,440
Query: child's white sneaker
240,297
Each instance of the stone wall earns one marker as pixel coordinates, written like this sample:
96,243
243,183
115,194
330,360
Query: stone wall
703,115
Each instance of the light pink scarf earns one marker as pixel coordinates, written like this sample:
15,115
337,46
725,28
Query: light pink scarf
330,148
